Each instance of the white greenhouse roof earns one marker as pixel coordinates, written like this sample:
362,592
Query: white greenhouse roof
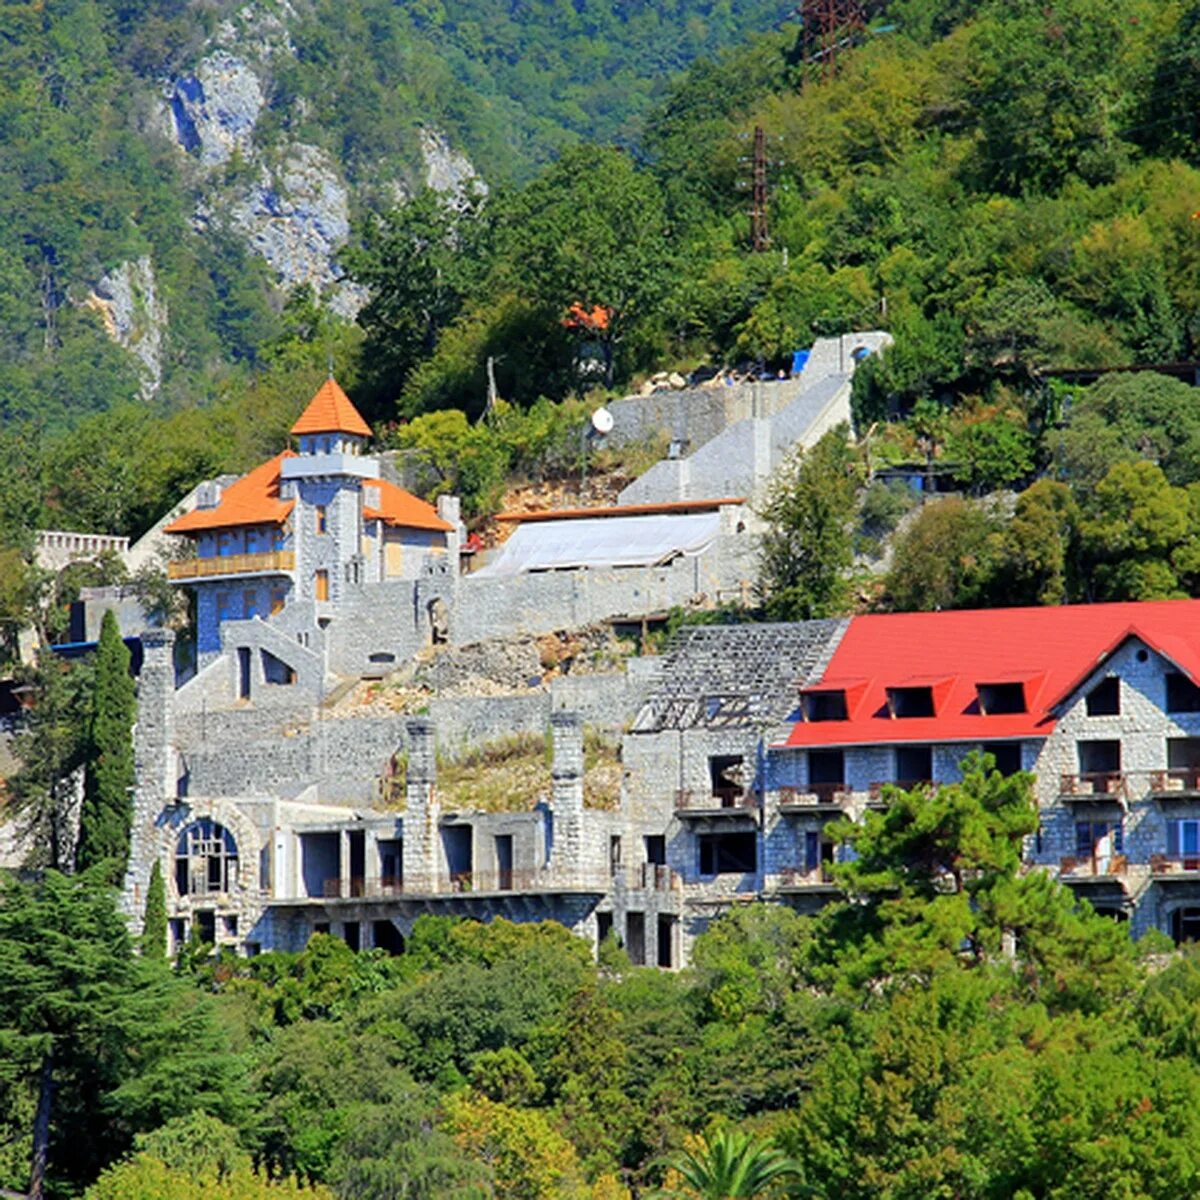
638,541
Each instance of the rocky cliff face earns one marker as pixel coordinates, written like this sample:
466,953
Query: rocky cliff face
128,304
288,200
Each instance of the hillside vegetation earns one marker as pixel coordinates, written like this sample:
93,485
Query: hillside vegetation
1007,187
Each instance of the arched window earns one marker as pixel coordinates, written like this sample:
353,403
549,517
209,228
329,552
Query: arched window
206,859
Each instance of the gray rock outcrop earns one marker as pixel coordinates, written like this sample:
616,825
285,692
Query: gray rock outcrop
127,302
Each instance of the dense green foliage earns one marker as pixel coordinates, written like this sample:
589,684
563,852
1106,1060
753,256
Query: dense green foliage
106,816
952,1027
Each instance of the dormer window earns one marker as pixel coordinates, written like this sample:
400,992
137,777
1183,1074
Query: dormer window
906,702
825,706
1104,700
1000,699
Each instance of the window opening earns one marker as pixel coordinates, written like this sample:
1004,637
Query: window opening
1183,843
728,853
825,706
914,765
1006,754
635,938
656,849
206,859
826,768
666,941
1183,696
907,702
999,699
1104,700
725,775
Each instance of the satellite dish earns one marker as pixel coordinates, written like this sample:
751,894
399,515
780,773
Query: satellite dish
603,421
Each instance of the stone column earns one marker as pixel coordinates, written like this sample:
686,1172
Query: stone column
421,810
154,756
566,773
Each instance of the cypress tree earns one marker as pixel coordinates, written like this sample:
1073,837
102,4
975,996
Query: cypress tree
107,815
154,926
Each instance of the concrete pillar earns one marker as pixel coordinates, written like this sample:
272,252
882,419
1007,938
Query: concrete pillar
566,773
344,863
154,756
421,810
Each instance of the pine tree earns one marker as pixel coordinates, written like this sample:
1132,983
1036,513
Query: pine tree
154,927
107,815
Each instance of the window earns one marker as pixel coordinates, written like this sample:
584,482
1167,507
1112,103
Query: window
352,935
725,777
826,768
910,701
998,699
225,546
322,519
1183,696
1185,925
825,706
914,764
1099,757
1099,840
614,851
206,859
250,604
728,853
1183,843
321,585
278,599
253,541
1104,700
656,849
225,609
1006,754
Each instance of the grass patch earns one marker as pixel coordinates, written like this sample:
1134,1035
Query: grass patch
512,774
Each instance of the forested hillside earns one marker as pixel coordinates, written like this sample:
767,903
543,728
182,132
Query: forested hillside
1006,187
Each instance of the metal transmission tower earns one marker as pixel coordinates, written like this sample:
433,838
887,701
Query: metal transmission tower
827,27
760,239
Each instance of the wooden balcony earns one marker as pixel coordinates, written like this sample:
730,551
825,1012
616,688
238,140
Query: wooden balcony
273,562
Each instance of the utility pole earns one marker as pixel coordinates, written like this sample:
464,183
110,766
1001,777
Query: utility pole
827,27
760,239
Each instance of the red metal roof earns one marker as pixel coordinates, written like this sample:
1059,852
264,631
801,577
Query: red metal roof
620,510
251,500
1051,651
330,411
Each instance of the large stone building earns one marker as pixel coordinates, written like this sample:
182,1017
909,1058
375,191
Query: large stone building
741,744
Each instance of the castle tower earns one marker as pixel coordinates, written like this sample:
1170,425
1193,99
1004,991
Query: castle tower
326,480
421,810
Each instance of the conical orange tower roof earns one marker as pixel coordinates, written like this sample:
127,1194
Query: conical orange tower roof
330,411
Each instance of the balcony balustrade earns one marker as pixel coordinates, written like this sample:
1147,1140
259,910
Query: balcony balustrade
1094,785
1094,866
735,801
272,562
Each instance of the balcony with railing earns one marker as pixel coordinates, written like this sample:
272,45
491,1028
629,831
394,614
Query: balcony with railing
1079,868
1094,787
1181,867
1175,783
271,562
387,887
717,802
807,879
815,799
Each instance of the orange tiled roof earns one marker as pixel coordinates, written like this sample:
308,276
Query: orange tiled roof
252,500
330,411
398,507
